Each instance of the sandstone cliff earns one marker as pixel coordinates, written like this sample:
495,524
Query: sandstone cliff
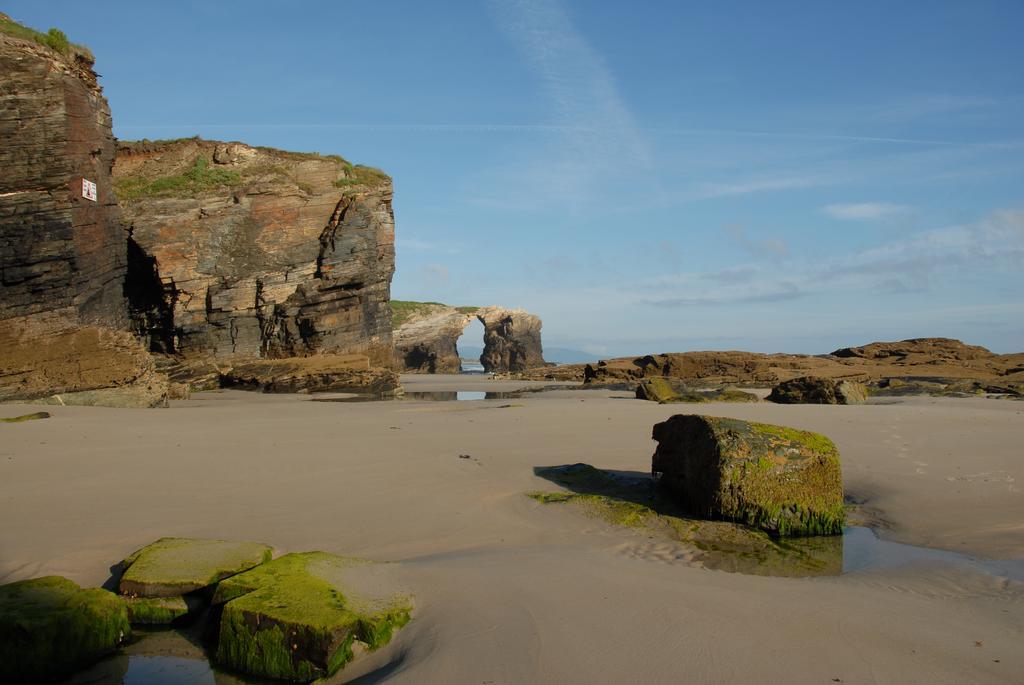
426,336
240,252
62,256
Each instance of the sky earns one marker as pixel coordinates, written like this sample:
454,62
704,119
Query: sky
647,177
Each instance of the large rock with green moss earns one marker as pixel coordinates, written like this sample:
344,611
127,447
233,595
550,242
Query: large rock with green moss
672,390
814,390
297,617
782,480
50,626
172,567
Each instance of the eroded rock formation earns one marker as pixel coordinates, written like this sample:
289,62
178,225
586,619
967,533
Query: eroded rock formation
427,334
511,340
425,342
62,255
246,252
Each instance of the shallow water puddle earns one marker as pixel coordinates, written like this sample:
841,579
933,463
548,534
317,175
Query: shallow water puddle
424,396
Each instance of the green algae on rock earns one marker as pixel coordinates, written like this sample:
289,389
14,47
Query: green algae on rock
631,502
176,566
297,617
156,610
50,626
670,390
814,390
784,481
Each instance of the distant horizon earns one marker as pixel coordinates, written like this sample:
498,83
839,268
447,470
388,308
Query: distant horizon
645,178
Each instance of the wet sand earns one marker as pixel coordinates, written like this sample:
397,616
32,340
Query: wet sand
512,591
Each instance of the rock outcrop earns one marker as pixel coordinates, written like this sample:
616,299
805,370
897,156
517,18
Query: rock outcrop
918,358
245,252
812,390
62,255
511,340
319,373
782,480
672,390
426,336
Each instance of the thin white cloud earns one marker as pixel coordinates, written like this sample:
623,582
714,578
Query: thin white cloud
864,211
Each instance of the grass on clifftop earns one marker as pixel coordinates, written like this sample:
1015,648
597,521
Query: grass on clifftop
401,310
360,175
197,180
55,39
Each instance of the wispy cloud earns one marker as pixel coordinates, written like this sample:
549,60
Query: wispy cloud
864,211
759,248
597,131
414,245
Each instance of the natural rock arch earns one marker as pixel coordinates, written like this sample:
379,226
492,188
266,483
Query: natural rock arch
426,341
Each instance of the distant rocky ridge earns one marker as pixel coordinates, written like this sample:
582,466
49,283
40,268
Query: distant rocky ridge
935,358
426,335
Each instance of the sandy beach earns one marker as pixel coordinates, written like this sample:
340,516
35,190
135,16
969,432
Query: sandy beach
508,590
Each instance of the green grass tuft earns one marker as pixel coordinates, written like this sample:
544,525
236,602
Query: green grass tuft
55,39
198,180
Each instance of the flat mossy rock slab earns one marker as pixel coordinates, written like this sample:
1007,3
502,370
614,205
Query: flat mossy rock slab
50,626
296,617
781,480
171,567
813,390
156,610
669,390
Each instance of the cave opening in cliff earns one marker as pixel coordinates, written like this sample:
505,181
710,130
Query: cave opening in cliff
151,303
470,346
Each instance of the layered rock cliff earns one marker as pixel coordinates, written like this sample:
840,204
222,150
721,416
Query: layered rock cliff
62,255
426,336
245,252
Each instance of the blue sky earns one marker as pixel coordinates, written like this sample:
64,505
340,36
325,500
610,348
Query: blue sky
646,176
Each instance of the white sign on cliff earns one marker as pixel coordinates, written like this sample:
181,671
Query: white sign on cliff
88,189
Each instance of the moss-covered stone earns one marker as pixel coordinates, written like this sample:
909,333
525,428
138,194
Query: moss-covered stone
296,617
50,626
171,567
782,480
672,390
814,390
156,610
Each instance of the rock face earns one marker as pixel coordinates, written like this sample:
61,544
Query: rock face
50,626
62,256
297,617
782,480
511,340
427,334
246,252
426,340
812,390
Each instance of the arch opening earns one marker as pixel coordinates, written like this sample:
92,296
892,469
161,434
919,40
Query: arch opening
470,345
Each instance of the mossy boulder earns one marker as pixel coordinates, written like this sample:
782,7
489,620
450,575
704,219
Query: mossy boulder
784,481
670,390
50,626
296,618
171,567
814,390
156,610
